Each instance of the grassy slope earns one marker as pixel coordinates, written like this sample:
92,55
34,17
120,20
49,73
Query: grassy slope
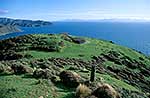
17,86
92,47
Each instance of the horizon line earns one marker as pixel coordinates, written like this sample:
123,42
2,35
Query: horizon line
89,19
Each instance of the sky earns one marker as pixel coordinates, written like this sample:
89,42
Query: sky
55,10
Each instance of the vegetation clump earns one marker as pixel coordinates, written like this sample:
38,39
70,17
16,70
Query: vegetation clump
21,69
70,79
42,73
82,91
49,45
5,69
106,91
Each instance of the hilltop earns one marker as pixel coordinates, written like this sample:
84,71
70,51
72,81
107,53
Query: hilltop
37,65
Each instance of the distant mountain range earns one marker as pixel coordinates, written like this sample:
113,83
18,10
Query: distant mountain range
106,20
23,23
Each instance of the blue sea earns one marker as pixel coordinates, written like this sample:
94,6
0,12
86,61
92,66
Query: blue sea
134,35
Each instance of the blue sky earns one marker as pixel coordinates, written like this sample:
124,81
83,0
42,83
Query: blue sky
75,9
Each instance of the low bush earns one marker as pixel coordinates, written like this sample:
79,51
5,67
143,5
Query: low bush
105,91
5,69
42,73
21,69
82,91
70,79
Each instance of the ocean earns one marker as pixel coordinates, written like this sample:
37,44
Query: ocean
135,35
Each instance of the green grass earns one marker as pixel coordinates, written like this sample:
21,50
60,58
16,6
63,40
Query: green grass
92,47
112,81
72,50
118,83
147,78
109,63
17,86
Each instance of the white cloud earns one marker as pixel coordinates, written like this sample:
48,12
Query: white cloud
84,15
2,11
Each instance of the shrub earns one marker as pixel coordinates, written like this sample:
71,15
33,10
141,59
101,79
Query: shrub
106,91
48,45
2,68
70,79
82,91
5,69
42,73
21,69
10,55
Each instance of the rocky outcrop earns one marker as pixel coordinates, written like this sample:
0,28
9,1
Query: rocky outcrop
77,40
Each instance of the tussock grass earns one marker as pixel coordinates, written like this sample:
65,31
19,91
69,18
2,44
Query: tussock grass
82,91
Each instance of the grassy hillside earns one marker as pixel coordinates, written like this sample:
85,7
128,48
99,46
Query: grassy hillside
30,66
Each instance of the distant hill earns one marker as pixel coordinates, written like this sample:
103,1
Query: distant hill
106,20
23,23
8,25
8,29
